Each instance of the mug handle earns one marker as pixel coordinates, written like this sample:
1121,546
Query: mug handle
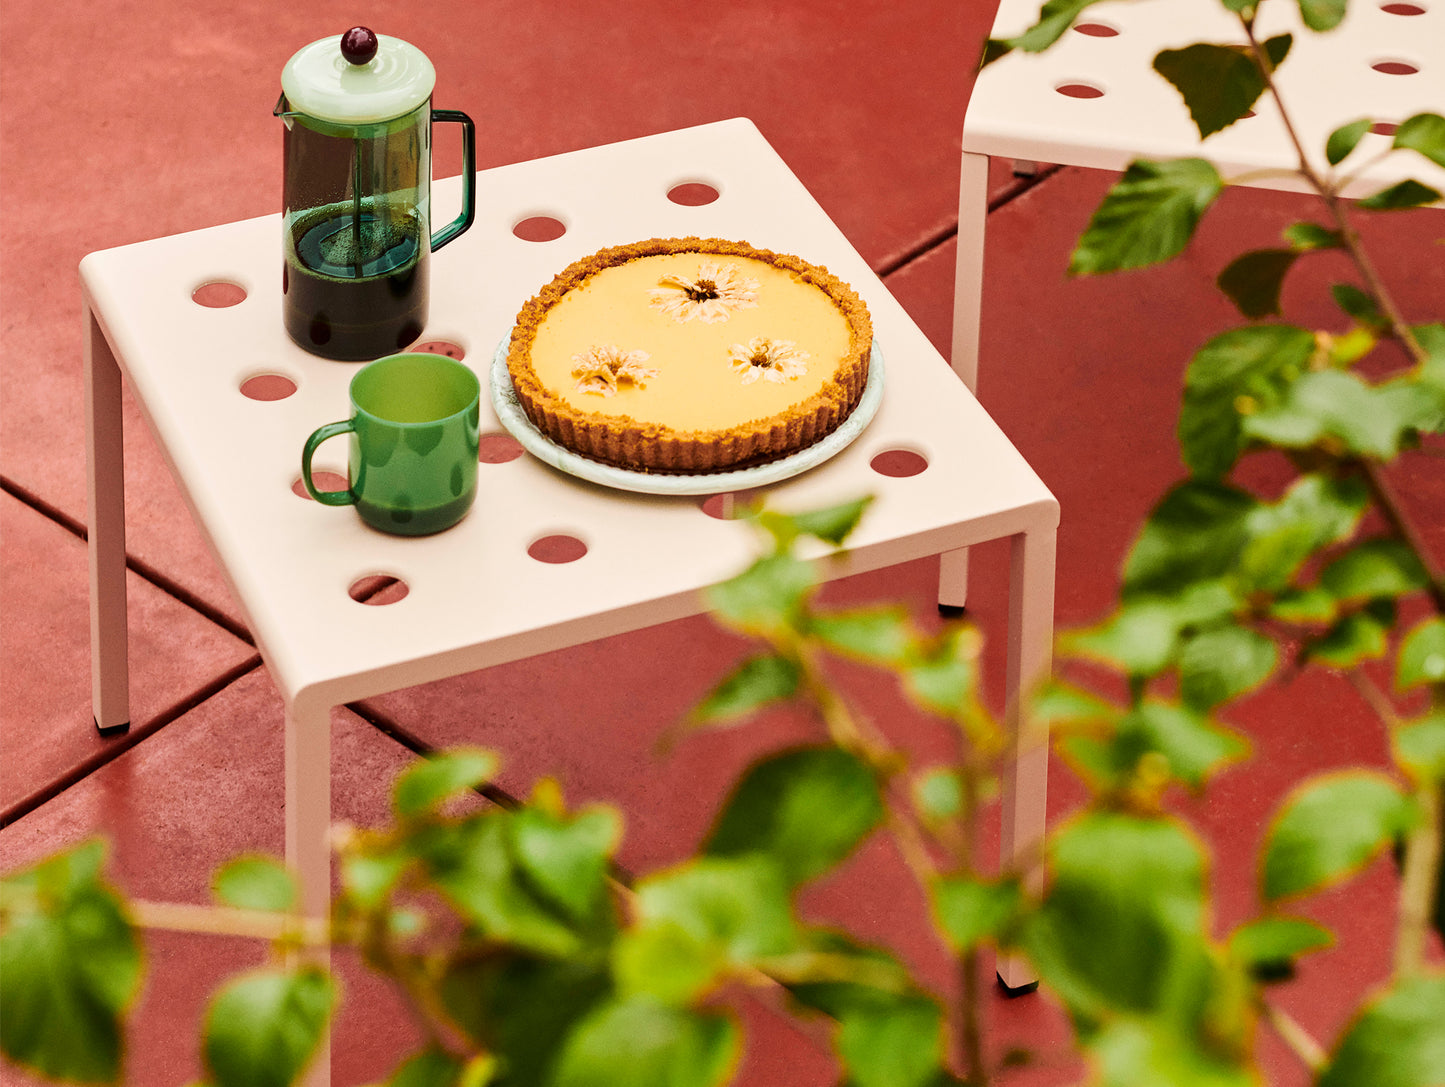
469,177
326,498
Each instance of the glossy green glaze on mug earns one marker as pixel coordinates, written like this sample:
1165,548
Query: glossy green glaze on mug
414,427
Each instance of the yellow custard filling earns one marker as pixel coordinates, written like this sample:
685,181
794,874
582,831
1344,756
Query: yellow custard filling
694,341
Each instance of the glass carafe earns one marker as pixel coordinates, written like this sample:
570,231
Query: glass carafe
356,230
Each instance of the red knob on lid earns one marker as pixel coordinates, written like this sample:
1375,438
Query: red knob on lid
358,45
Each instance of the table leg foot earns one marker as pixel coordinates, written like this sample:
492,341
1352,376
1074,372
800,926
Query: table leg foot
1016,990
112,730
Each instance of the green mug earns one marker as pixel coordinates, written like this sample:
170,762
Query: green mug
414,427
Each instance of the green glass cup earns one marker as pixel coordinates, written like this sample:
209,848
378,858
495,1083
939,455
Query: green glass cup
413,459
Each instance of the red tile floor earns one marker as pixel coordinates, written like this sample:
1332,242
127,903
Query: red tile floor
151,119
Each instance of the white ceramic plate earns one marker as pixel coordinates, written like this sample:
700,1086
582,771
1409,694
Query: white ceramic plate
509,411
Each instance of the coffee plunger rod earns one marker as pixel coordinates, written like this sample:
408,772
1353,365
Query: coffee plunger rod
358,46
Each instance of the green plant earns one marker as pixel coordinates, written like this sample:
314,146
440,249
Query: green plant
526,962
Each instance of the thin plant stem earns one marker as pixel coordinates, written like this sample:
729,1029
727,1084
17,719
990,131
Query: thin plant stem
230,921
1335,205
1389,505
1417,881
1300,1042
1374,697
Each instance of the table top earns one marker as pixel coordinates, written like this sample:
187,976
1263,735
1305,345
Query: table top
475,596
1357,70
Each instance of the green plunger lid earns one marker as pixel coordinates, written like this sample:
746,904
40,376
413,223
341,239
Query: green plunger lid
321,82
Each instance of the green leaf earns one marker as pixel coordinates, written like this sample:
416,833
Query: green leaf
1195,746
1322,14
1254,280
1245,368
736,909
765,599
1344,139
521,1007
1355,637
428,783
972,911
1403,194
1397,1040
1357,304
898,1044
1148,216
879,635
1431,339
1425,133
1055,17
757,682
1121,927
69,968
1422,655
664,961
1370,421
369,877
806,809
944,680
1316,511
1134,1052
834,524
1219,83
938,793
1380,567
1219,664
642,1043
1329,828
475,867
1269,947
262,1029
1139,639
255,883
1195,533
856,976
1420,746
1306,236
1309,606
431,1067
567,859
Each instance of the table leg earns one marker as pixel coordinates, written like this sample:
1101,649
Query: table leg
105,490
968,276
1030,657
308,822
967,307
953,578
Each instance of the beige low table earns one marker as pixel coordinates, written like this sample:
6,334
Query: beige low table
476,596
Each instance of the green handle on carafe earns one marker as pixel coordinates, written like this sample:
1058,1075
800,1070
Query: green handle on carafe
469,176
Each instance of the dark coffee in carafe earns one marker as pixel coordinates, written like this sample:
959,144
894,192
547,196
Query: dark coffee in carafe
355,285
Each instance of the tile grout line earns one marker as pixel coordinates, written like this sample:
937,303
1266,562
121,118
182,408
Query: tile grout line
490,791
125,742
1012,191
136,566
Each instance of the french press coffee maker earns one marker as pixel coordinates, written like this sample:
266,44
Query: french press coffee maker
357,192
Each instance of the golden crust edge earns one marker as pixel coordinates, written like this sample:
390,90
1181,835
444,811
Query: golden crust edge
623,442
